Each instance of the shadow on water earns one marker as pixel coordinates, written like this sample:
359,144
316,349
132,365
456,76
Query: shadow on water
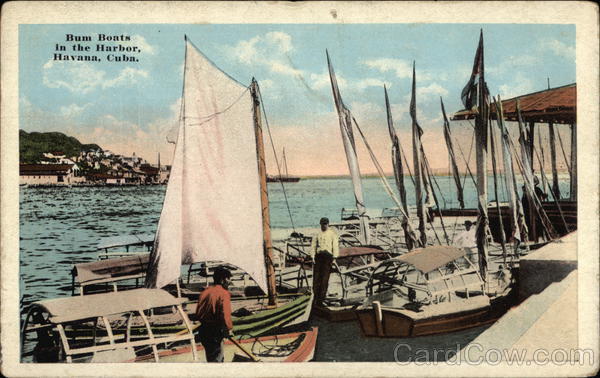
343,342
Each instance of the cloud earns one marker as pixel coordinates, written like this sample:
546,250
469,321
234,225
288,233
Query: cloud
511,63
521,84
266,83
127,75
559,48
402,68
320,81
282,68
370,82
432,89
77,77
82,77
427,93
72,110
270,50
139,41
282,40
366,110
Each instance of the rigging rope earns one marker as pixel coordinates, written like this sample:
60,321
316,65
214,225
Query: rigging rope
554,197
563,152
467,162
465,175
386,185
428,172
287,204
494,170
536,203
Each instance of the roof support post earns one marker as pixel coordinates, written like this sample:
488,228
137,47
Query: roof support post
555,187
574,162
531,143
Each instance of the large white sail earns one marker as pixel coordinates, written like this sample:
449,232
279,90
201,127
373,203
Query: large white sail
212,205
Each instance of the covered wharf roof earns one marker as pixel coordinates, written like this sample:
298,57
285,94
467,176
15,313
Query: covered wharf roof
70,309
431,258
556,105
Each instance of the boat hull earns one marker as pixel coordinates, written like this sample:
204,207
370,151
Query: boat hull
565,212
397,324
334,314
303,350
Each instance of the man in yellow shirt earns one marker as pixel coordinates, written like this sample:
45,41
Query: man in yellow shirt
325,247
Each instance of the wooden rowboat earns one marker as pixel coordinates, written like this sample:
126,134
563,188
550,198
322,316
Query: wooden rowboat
291,347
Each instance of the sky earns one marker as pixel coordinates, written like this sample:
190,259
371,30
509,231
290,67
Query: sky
129,107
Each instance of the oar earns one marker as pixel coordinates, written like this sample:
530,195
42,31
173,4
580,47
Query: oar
247,353
234,341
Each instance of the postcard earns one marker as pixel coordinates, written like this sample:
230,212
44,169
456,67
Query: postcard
359,189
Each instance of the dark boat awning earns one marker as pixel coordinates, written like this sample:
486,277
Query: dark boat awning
555,105
111,269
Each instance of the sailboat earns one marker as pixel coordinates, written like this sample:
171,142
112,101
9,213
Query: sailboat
216,205
285,177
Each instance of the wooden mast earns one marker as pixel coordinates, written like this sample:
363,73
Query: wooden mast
481,159
418,165
264,195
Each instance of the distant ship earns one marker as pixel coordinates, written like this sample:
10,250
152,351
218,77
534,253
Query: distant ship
285,177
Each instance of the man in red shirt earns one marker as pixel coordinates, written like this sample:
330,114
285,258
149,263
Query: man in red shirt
214,314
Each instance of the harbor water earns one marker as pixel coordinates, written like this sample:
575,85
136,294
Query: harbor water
62,226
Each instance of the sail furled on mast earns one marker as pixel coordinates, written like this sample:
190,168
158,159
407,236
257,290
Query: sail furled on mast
213,190
418,163
452,156
345,119
518,224
475,94
396,155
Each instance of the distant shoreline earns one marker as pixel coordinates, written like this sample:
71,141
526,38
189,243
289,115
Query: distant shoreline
370,175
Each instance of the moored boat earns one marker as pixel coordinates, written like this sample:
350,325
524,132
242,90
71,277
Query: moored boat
217,187
432,290
52,319
290,347
121,329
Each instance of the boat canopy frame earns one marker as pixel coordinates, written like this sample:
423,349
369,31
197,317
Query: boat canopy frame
438,271
55,314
